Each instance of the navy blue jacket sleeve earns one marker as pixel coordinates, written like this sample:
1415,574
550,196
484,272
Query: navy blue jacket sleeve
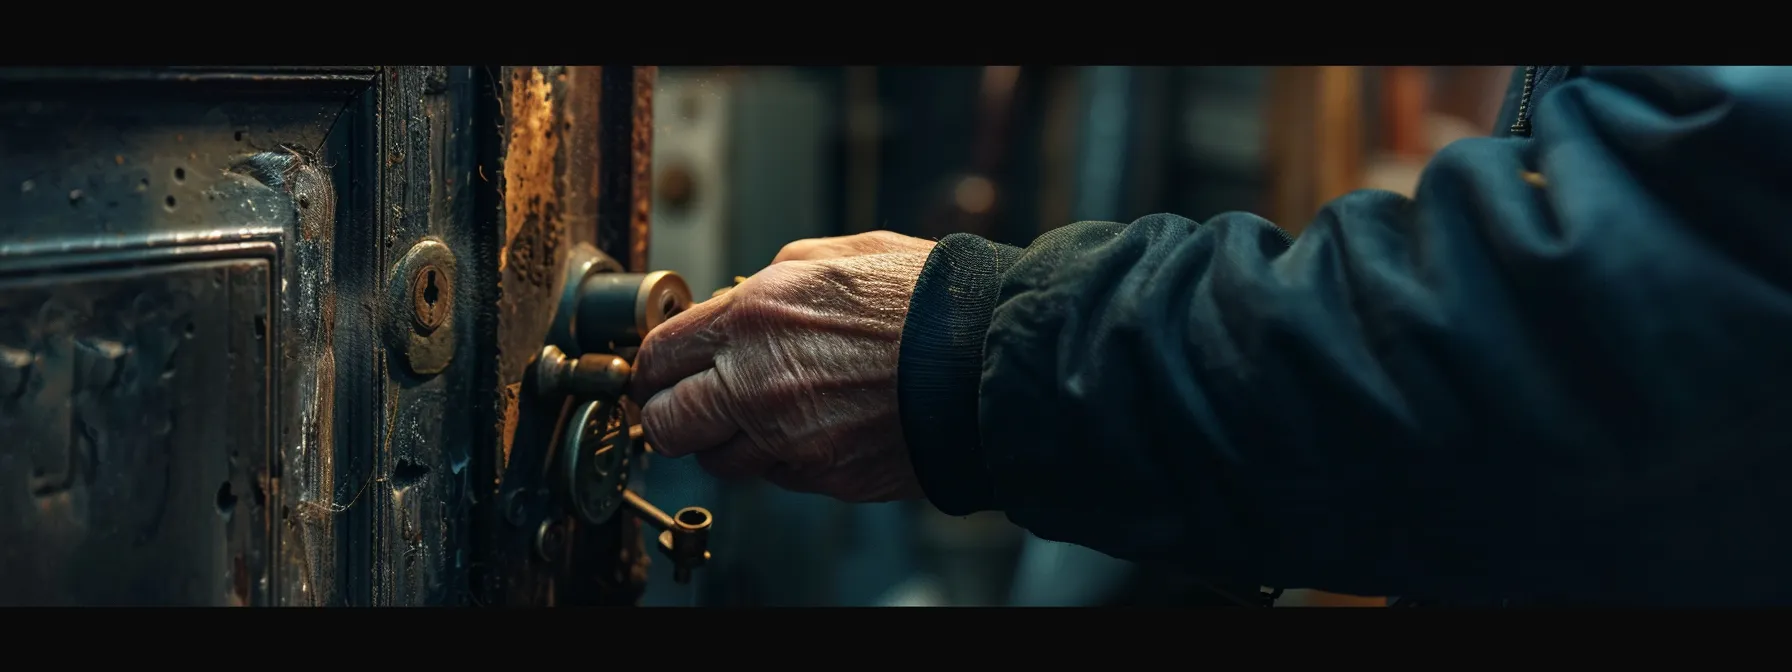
1563,368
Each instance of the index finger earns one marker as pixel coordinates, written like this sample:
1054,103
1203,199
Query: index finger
680,347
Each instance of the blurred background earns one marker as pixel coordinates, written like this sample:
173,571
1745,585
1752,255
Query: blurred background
748,159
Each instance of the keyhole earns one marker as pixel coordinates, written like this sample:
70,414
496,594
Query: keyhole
431,298
429,289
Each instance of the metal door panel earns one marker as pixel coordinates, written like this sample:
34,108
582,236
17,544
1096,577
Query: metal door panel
387,468
137,418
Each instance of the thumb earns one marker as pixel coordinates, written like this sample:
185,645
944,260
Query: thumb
682,346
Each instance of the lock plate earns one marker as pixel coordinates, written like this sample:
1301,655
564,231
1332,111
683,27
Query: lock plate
594,461
420,322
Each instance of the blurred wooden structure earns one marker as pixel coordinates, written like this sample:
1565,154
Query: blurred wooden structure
1316,153
1315,139
1335,129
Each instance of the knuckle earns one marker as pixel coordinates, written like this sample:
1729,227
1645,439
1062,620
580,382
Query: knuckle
748,305
645,353
770,293
773,279
796,250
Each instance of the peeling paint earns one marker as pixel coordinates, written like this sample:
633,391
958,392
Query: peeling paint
511,399
530,201
641,141
568,176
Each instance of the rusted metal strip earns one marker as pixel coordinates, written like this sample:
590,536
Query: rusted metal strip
640,226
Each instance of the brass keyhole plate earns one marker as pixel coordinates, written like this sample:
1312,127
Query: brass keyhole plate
595,461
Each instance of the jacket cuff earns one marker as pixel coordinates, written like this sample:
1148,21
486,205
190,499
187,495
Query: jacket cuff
941,368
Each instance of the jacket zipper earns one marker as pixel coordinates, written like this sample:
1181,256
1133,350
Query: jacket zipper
1522,126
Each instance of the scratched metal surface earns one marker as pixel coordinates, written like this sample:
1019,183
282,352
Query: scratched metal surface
282,452
418,489
131,239
128,482
573,161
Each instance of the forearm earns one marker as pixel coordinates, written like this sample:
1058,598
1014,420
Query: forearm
1515,383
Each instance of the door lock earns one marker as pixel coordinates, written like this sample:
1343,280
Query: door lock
603,309
602,317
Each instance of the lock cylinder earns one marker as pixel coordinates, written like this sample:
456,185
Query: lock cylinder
602,309
620,308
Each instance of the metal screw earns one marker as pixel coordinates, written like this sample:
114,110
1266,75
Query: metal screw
432,296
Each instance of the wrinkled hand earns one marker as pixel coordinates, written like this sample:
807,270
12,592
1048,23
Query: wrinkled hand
874,242
791,376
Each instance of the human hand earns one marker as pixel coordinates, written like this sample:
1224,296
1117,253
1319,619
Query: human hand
861,244
791,376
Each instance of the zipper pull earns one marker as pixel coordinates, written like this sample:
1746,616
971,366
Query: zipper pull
1522,125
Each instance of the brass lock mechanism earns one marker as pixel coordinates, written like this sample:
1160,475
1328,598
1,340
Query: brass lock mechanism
602,316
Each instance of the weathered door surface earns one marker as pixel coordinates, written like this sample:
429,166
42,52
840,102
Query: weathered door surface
266,334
